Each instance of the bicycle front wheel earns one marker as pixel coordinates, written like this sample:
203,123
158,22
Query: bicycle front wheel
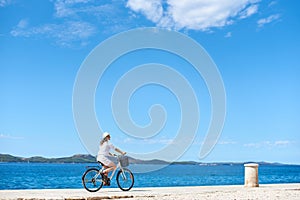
92,180
125,179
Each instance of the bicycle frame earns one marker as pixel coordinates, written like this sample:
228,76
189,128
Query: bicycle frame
113,172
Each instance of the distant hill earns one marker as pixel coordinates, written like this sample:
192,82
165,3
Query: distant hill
85,158
78,158
10,158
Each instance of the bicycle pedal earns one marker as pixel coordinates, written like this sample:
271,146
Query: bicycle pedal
106,184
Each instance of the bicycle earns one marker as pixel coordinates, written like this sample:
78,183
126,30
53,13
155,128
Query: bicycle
93,178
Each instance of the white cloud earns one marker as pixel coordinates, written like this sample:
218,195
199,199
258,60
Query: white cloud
272,3
75,21
152,9
163,141
282,143
3,136
4,3
228,35
227,142
70,8
62,9
267,20
65,34
255,145
194,14
83,8
23,23
268,144
249,11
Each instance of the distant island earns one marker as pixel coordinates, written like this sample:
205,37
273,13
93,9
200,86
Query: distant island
86,158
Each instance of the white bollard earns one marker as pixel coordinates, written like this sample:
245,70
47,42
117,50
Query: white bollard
251,175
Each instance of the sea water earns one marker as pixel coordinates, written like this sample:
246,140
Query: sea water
45,175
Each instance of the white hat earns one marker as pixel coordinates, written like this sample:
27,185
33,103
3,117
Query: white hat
105,134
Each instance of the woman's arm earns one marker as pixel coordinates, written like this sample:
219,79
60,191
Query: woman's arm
119,151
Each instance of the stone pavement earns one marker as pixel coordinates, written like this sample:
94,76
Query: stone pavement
275,191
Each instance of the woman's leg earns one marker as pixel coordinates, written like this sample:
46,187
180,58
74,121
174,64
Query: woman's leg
105,168
108,164
109,168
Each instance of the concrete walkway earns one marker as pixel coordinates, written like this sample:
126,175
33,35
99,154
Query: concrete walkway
276,191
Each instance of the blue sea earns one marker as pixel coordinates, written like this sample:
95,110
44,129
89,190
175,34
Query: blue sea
42,175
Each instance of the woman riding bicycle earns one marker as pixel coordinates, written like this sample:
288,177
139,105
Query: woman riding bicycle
104,153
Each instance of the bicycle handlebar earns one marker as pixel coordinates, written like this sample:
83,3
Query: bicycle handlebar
116,155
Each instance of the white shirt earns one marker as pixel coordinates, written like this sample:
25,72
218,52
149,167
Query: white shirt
105,148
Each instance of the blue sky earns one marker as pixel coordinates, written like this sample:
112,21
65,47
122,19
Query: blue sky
255,45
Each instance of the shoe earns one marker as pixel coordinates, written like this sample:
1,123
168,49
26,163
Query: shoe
107,182
105,179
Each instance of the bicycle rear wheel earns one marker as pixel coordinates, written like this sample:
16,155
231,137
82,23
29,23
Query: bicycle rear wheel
92,180
125,179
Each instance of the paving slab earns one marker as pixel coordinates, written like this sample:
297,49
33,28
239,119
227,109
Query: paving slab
272,191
